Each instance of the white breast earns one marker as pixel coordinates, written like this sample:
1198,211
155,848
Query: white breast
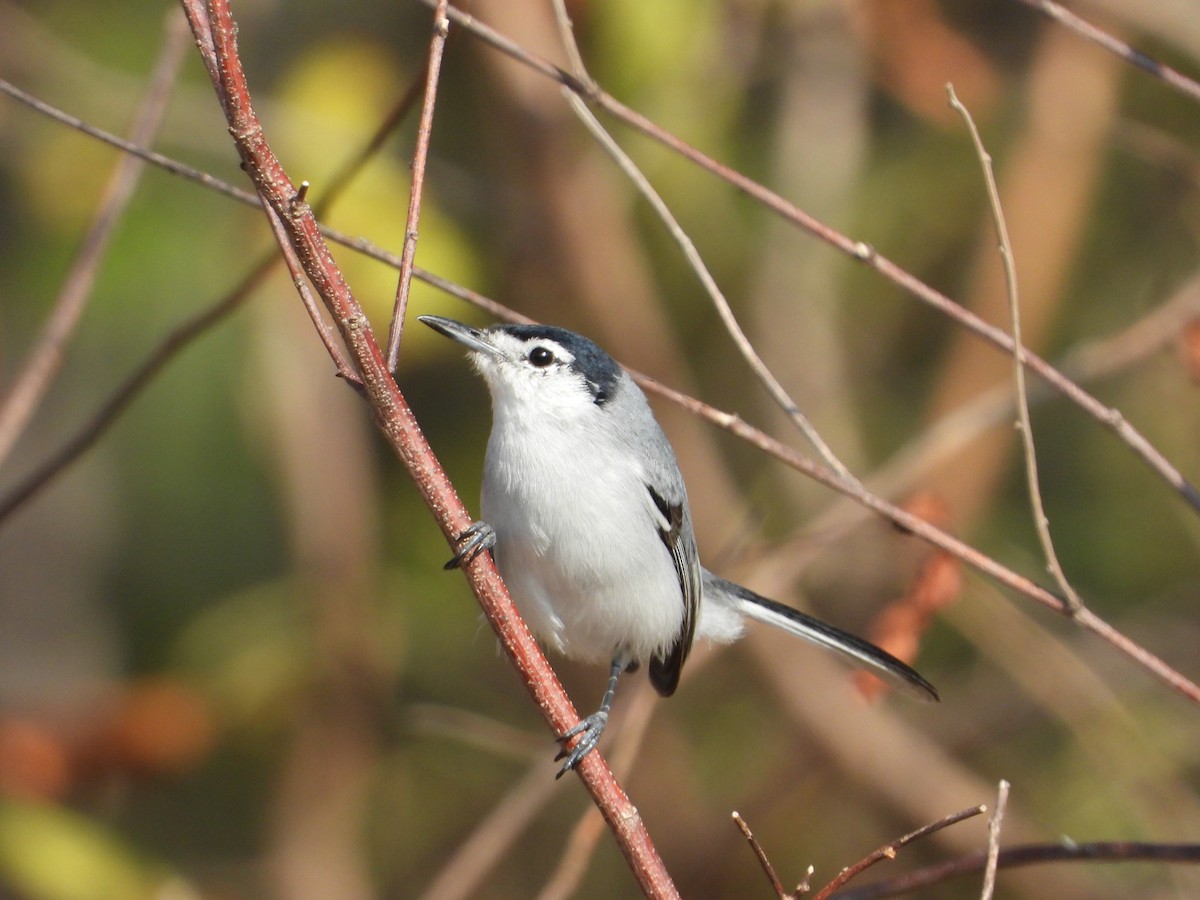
576,543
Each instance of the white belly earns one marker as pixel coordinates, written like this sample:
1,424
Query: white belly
580,553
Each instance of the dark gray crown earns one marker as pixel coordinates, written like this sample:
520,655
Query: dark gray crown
598,369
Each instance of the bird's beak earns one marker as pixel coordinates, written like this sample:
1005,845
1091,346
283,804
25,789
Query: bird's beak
473,338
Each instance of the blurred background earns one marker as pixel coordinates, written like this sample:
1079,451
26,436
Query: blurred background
231,665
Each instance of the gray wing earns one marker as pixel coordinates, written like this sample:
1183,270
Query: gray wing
668,506
675,530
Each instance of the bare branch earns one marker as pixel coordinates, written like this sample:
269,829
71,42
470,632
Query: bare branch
727,421
133,149
1027,855
324,332
777,391
437,45
1100,37
1020,395
889,851
45,357
694,260
566,31
580,847
993,852
396,421
761,855
858,250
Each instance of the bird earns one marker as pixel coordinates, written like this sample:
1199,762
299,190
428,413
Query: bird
585,513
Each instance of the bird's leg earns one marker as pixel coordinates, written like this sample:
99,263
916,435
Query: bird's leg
479,537
590,728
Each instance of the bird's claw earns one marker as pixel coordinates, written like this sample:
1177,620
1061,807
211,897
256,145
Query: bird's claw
589,731
479,537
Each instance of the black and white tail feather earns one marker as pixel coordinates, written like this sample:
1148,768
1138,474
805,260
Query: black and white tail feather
857,650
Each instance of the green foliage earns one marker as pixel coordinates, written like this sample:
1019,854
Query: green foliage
49,853
242,534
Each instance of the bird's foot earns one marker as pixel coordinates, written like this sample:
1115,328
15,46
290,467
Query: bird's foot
589,731
479,537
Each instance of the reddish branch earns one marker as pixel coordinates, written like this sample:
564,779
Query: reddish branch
857,250
441,25
728,421
764,861
889,851
1025,855
866,254
215,33
92,430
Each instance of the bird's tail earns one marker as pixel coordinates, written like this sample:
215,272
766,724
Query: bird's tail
858,650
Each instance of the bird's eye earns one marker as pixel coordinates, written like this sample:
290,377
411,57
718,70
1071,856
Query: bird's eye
541,357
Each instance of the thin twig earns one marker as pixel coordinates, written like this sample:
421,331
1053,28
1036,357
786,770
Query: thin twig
626,164
566,31
1086,362
889,851
466,869
1041,521
763,860
326,334
397,423
727,421
765,376
942,439
166,163
1100,37
1026,855
182,336
857,250
124,395
993,852
45,357
437,45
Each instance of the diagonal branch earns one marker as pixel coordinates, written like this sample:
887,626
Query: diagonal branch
399,426
199,324
1027,855
441,25
858,250
765,376
1113,44
729,422
889,851
45,358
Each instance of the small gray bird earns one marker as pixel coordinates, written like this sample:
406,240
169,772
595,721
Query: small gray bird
586,515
